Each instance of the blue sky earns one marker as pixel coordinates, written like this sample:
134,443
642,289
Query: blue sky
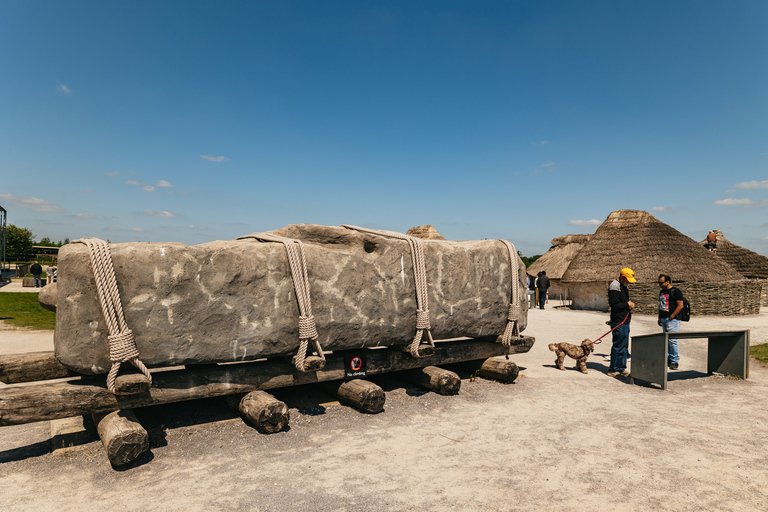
194,121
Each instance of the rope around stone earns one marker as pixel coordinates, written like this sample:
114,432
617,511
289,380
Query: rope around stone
298,263
122,344
423,325
512,329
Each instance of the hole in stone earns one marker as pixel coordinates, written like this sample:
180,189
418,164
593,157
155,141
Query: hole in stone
369,246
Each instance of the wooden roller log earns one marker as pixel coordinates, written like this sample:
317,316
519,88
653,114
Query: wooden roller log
494,368
439,380
123,436
262,410
30,367
361,394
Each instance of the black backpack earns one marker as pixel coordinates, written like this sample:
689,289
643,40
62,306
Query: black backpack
685,314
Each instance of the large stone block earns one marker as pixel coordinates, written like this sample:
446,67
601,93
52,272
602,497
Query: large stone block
234,300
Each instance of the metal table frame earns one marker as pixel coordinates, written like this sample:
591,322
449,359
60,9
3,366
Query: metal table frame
727,353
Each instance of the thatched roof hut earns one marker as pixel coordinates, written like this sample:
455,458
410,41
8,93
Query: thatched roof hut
427,232
747,263
637,239
557,259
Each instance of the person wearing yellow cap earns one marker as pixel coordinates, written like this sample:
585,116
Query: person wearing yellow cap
621,315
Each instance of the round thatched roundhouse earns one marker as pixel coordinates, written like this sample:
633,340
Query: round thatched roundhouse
556,261
747,263
637,239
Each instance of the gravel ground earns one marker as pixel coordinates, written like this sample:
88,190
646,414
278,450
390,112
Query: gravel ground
553,440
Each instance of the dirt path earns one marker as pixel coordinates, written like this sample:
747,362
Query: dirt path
552,441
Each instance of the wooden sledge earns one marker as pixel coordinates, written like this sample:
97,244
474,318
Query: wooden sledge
39,388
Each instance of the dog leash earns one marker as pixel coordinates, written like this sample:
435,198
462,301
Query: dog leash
609,332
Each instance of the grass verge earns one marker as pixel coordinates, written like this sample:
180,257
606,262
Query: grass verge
23,310
759,352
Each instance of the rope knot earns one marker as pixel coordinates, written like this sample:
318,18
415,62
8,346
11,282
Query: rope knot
307,328
122,347
514,312
422,319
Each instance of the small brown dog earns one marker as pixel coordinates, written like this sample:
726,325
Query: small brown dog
577,352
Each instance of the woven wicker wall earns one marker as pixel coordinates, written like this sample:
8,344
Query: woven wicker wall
764,300
728,299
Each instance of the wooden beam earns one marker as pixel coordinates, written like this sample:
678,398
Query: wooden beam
27,403
31,367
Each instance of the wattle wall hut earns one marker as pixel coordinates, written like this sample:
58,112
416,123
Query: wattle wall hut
747,263
637,239
556,261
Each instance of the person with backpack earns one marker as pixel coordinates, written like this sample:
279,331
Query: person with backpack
671,303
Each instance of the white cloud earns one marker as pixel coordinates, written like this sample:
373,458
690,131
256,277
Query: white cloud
83,216
140,230
192,226
733,202
148,188
214,158
593,222
544,143
152,213
88,191
132,182
745,203
548,164
163,183
752,184
63,88
113,174
32,203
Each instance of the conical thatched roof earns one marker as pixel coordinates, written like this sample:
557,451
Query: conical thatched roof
638,240
747,263
427,232
556,260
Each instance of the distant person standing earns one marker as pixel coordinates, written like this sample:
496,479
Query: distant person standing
49,271
670,305
542,283
37,271
621,315
711,241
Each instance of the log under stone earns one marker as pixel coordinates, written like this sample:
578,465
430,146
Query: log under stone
228,301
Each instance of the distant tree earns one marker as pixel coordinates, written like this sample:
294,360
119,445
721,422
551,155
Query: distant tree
18,242
66,241
46,242
528,260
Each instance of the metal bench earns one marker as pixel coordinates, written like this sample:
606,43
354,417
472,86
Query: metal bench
727,353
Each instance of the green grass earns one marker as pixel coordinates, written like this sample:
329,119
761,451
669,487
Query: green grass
759,352
23,310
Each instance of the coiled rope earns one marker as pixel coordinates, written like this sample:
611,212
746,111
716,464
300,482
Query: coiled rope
512,329
298,263
122,345
420,276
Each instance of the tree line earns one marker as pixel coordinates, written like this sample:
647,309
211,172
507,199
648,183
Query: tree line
19,242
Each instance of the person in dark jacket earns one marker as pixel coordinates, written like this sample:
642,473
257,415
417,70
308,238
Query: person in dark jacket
542,283
621,315
37,271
